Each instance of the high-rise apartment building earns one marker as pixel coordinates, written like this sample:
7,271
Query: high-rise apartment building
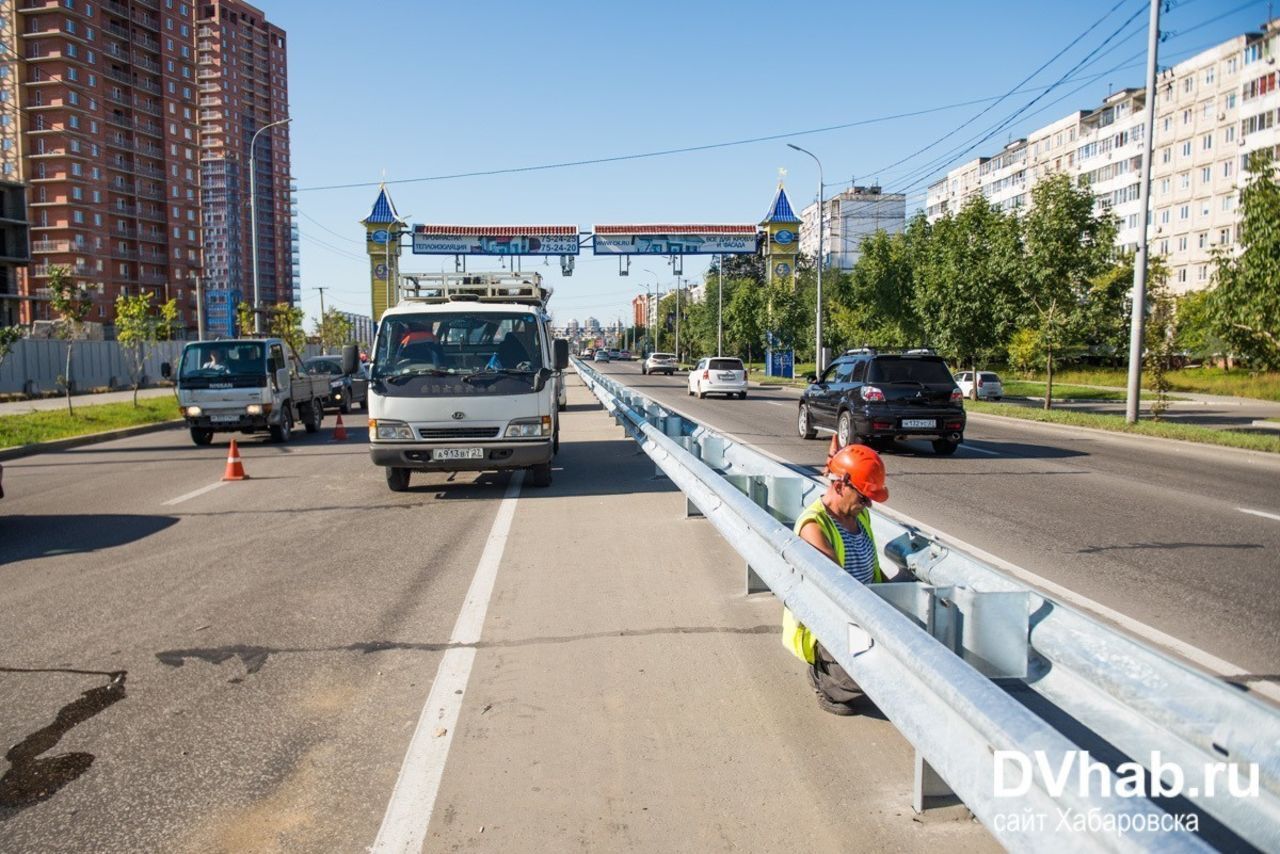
106,141
850,218
243,87
1212,111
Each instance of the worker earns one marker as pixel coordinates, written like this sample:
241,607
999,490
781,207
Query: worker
838,525
420,344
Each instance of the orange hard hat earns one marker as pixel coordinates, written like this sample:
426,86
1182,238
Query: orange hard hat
863,468
417,336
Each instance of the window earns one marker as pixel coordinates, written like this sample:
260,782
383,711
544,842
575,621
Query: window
1226,169
1186,148
1166,154
1164,186
1229,135
1253,53
1184,181
1224,236
1182,243
1206,175
1208,75
1186,117
1164,217
1184,212
1203,239
1228,202
1188,84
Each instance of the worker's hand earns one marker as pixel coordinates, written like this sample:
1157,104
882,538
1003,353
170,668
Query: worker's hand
832,450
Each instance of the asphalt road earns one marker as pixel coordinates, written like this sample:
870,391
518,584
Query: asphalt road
1154,530
196,666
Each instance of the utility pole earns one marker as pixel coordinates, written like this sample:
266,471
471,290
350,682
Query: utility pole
322,290
817,352
679,284
720,311
1134,392
199,308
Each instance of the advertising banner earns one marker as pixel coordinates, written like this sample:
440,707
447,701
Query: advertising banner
495,240
674,240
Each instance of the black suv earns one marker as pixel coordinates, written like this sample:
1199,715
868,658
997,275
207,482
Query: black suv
864,396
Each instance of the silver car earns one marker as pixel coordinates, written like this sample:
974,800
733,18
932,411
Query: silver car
659,363
990,386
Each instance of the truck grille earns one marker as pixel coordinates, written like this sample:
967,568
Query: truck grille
458,432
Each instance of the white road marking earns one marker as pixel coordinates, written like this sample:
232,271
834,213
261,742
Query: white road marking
195,493
779,403
1259,513
404,826
981,450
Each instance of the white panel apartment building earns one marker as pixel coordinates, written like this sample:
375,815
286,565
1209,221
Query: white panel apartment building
1212,111
851,217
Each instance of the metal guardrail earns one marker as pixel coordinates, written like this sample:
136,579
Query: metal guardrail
1084,693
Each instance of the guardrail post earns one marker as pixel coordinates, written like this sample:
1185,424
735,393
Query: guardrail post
691,510
929,789
755,584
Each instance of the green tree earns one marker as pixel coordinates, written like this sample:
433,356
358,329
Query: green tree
1246,299
137,330
9,336
1065,247
285,321
168,320
1158,337
968,282
1026,355
333,329
244,318
743,318
1196,329
71,302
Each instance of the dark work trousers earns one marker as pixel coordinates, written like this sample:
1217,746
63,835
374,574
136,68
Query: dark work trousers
830,679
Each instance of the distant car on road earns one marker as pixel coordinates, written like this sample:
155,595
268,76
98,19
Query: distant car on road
659,363
625,355
869,396
345,390
601,356
990,387
615,354
718,376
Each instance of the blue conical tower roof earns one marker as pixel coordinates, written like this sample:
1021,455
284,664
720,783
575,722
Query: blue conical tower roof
780,210
384,211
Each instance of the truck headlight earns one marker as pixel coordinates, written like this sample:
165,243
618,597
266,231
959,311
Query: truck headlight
253,409
194,411
529,428
393,430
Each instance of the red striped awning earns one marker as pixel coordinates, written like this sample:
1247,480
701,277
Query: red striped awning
497,230
675,228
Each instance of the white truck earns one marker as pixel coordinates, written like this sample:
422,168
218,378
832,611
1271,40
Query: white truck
247,385
465,376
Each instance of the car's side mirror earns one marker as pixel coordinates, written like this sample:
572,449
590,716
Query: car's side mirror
811,378
561,350
166,370
350,358
282,378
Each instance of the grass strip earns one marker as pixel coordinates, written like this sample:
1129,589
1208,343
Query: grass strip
1237,382
1117,424
48,425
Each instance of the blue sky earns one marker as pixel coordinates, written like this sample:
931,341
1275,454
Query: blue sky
427,89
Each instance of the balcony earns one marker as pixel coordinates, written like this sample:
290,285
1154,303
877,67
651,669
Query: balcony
121,143
211,115
123,209
146,62
144,20
118,76
150,150
151,194
119,186
38,6
43,271
206,74
151,129
152,215
208,87
117,30
207,32
51,246
147,108
150,4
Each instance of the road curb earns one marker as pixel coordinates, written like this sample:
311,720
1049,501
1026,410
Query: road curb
1185,444
87,439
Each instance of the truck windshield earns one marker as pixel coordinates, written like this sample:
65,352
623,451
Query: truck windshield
458,344
212,359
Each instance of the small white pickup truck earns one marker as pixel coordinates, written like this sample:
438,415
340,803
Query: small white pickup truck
246,385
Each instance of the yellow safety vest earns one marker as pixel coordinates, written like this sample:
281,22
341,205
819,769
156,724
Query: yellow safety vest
795,637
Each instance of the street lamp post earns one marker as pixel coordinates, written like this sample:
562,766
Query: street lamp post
253,221
720,310
817,352
657,297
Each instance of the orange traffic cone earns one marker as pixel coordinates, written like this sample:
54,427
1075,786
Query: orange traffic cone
235,468
339,432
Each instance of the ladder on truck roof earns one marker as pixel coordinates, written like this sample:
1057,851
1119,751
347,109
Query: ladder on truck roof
474,287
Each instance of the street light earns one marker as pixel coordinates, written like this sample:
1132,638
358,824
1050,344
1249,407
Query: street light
253,221
657,297
817,352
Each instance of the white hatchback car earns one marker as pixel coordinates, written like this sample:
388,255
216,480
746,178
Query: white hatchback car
718,375
989,385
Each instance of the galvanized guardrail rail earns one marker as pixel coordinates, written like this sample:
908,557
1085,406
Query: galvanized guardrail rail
1126,747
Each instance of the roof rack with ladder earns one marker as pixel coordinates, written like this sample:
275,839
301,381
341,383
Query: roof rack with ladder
524,288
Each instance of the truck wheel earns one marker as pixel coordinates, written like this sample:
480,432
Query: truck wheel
397,479
345,406
541,474
283,431
201,436
315,416
844,430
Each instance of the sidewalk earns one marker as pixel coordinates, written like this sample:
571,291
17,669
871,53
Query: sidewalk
22,407
627,695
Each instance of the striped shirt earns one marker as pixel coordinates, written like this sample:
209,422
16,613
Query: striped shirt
859,555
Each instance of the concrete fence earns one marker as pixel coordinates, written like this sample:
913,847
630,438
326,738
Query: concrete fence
34,365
